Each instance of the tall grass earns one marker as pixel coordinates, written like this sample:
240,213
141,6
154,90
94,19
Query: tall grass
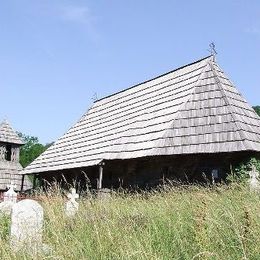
173,223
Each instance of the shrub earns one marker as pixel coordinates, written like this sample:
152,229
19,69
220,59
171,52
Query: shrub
240,173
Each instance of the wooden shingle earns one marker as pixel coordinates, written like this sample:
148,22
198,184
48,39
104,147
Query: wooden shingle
8,135
194,109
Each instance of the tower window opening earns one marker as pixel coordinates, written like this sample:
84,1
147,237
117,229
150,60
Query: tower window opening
8,152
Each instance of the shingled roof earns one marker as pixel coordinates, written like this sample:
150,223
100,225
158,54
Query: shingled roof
193,109
8,135
10,170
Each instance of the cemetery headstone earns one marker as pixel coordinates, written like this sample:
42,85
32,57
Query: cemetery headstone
10,198
254,183
26,226
10,195
72,205
214,175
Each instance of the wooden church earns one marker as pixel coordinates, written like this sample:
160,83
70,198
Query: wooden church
188,124
10,167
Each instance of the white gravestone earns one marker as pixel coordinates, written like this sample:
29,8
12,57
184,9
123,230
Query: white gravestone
26,226
10,195
254,183
10,198
72,205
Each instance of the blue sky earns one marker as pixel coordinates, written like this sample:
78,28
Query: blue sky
56,54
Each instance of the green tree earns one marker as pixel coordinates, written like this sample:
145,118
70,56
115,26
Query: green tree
31,149
257,109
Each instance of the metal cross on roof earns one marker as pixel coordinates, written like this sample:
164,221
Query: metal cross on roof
212,49
95,97
73,195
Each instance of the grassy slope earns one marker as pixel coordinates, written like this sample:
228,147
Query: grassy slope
190,223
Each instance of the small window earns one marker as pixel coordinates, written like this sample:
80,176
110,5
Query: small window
8,152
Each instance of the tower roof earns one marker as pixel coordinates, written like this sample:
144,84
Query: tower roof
8,135
190,110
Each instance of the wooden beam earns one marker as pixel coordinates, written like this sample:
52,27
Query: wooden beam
22,183
101,169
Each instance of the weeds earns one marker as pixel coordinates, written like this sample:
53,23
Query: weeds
173,223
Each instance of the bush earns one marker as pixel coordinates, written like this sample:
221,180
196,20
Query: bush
240,173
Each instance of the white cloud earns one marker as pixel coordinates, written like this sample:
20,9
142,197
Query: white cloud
78,14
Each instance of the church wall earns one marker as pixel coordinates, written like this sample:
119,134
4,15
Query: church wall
149,172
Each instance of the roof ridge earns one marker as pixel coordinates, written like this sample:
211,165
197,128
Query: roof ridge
190,95
229,105
156,77
238,91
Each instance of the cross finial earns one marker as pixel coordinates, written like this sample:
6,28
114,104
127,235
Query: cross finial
95,97
212,49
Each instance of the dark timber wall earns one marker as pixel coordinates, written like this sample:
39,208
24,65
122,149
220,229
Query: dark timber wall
149,172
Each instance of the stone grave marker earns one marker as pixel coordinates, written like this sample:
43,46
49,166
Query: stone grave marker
27,226
10,198
254,183
72,205
10,195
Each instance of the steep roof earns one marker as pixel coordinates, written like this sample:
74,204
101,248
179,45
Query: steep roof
194,109
10,170
8,135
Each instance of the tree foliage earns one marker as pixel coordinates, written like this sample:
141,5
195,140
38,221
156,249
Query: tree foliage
240,173
31,149
257,109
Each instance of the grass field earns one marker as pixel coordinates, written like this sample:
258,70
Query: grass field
174,223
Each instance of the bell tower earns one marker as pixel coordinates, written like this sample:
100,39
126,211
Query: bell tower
10,144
